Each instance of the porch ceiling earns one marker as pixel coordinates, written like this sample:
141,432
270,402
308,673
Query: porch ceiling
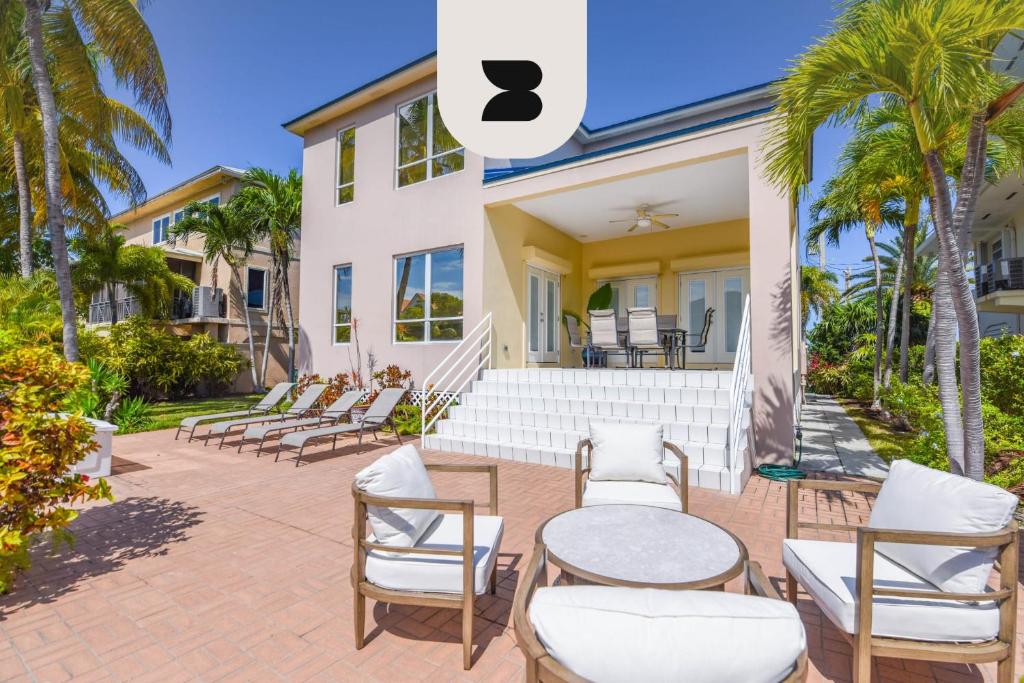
706,192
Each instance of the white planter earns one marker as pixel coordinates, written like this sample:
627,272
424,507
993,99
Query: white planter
97,463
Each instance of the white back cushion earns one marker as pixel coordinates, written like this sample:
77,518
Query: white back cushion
399,474
918,498
610,634
627,452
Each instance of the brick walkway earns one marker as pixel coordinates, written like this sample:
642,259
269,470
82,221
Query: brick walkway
218,566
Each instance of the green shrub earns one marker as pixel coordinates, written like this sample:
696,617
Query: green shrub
1002,372
132,415
38,449
826,378
214,366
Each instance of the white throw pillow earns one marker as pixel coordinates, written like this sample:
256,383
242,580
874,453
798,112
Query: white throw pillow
399,474
627,452
918,498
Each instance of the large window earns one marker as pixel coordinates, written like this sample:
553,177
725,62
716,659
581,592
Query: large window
346,183
425,147
428,296
160,226
342,304
255,288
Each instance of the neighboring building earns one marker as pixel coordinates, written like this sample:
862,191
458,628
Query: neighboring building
396,213
217,312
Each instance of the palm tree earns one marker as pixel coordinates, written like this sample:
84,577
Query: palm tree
273,206
817,291
106,263
119,40
225,236
931,57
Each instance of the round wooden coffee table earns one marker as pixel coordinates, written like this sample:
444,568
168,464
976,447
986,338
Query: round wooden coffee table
640,546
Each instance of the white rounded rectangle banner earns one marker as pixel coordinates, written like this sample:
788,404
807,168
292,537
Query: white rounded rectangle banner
512,74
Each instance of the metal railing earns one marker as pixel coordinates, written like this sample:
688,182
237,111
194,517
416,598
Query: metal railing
460,367
101,312
999,274
739,392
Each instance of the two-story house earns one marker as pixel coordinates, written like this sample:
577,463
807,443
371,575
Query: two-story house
220,311
429,252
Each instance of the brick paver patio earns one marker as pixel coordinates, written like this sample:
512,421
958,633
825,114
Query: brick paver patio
214,565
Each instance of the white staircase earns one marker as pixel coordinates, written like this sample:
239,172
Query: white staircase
539,415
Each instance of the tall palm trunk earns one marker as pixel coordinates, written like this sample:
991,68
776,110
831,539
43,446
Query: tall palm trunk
112,296
51,158
289,320
236,276
890,333
928,371
944,345
879,319
271,285
909,248
24,207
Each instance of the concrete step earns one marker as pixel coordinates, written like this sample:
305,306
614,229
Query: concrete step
695,379
673,395
478,409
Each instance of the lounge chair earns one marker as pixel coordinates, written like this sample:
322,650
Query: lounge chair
332,414
609,634
303,404
424,550
378,415
264,406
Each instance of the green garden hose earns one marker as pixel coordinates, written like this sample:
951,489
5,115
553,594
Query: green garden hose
785,472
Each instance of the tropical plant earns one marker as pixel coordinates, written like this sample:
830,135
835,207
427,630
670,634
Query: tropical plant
273,206
132,415
39,448
106,264
817,291
30,309
931,57
226,235
601,298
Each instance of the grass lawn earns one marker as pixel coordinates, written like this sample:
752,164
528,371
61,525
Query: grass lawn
167,414
889,443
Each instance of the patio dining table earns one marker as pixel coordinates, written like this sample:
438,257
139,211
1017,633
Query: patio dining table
673,338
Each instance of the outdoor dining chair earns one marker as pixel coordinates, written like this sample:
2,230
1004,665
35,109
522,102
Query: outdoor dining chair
269,402
303,404
915,585
380,414
702,339
623,464
604,334
643,336
613,634
423,550
576,340
332,414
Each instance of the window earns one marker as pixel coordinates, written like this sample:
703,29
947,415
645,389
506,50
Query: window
342,304
997,250
160,226
425,147
428,296
346,183
255,287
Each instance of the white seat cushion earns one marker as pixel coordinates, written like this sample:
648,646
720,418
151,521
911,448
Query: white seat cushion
439,573
827,571
609,634
399,474
627,452
918,498
630,493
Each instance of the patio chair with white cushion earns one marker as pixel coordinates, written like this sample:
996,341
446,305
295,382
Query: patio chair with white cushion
261,407
611,634
380,414
915,585
303,404
643,335
624,464
424,550
604,333
332,414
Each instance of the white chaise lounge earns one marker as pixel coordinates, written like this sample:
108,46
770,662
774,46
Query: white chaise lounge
262,407
303,404
332,414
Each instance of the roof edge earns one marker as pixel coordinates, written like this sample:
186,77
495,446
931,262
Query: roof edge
212,171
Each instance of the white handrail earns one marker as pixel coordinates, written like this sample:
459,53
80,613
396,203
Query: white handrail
738,391
466,361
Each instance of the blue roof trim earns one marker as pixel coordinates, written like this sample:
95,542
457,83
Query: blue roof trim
682,107
362,87
523,170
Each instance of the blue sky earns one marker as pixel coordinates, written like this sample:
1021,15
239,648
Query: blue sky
237,69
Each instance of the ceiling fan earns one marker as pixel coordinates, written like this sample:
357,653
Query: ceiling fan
646,219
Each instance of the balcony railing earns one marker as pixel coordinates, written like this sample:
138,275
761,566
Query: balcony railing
1000,274
101,312
200,303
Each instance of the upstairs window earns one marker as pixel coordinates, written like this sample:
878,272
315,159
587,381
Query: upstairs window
160,226
429,296
342,304
255,288
425,147
346,183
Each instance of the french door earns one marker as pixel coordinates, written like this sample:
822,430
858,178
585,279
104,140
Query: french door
633,293
724,291
543,309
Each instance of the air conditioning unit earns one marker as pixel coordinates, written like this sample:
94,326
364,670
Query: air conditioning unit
206,302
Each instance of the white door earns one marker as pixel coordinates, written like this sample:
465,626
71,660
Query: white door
724,291
543,308
633,293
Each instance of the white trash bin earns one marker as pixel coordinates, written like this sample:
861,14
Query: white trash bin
97,463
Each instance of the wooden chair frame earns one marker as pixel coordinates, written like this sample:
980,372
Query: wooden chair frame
1006,540
681,483
541,667
466,600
